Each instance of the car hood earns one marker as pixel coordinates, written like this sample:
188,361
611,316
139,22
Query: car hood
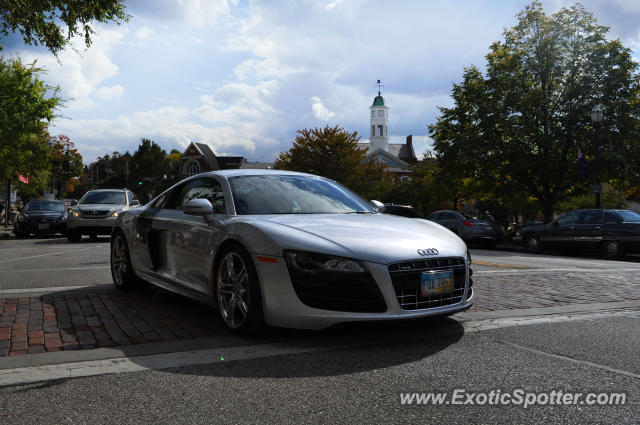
378,238
99,207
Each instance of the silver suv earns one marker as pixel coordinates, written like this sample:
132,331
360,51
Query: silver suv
96,212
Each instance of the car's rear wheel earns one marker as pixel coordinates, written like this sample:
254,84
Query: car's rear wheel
121,269
238,291
532,244
613,250
73,235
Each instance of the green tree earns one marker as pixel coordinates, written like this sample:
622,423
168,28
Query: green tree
516,130
333,152
66,165
150,169
43,21
27,104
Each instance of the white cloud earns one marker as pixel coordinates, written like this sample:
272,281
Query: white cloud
319,110
81,74
146,33
200,13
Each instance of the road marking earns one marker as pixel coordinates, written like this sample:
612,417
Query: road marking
507,266
53,270
543,271
23,375
43,255
569,359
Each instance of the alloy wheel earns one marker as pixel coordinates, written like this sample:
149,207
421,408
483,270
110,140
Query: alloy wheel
233,290
119,261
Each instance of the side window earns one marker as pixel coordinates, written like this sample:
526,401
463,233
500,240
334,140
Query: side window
132,197
435,216
162,199
569,218
612,218
592,217
207,188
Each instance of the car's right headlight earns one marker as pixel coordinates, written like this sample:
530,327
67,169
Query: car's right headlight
313,263
76,214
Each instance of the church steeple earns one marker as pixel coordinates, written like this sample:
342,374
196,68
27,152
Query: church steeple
379,121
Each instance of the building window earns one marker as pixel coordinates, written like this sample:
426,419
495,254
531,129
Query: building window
380,130
371,114
381,113
373,130
191,168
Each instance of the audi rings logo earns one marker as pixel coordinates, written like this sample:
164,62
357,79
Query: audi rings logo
428,251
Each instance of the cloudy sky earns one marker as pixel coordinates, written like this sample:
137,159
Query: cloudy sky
242,76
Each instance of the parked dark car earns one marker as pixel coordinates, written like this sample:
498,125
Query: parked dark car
470,227
41,217
401,210
613,232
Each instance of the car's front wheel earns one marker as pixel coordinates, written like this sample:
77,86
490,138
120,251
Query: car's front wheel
532,244
238,291
121,270
613,250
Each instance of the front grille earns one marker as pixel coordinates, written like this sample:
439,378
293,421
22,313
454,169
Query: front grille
94,214
407,280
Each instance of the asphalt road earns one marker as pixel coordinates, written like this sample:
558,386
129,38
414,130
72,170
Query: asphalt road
348,374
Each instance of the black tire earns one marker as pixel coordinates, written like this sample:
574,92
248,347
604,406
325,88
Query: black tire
532,244
241,283
124,278
74,235
612,250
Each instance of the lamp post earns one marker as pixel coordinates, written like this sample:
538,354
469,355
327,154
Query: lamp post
596,117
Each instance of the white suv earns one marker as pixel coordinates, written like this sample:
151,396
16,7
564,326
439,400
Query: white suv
96,212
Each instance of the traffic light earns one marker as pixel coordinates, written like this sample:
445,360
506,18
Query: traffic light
139,183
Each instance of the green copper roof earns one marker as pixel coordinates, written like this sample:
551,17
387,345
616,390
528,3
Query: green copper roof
378,101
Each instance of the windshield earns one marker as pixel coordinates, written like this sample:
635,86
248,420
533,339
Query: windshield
283,194
44,206
629,216
115,197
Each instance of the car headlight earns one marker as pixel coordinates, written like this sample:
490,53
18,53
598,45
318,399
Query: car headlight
76,214
116,213
313,263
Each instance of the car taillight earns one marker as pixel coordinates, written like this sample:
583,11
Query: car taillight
468,223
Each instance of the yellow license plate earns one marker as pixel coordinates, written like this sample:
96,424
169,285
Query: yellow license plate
436,283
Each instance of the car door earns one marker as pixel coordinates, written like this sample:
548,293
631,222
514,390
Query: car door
193,240
560,234
589,230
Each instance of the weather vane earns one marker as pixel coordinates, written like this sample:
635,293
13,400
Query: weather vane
379,84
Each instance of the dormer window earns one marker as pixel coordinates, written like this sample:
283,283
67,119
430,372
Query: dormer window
191,168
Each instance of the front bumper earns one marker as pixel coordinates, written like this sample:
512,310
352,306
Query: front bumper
283,308
102,226
49,228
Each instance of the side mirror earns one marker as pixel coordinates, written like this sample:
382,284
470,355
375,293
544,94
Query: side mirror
74,203
377,205
135,203
199,207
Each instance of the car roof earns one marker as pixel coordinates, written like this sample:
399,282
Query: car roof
254,172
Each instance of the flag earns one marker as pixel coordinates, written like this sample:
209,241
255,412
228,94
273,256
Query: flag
23,179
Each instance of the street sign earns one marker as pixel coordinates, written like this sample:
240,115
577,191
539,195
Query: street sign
596,188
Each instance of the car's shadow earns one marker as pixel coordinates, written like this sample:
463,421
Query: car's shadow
181,324
63,241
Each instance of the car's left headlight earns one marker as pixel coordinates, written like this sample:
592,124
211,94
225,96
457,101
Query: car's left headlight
116,213
314,263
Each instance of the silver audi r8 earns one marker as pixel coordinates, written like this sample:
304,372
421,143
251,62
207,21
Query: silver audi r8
290,250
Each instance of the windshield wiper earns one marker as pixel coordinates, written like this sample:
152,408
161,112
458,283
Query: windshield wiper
359,212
